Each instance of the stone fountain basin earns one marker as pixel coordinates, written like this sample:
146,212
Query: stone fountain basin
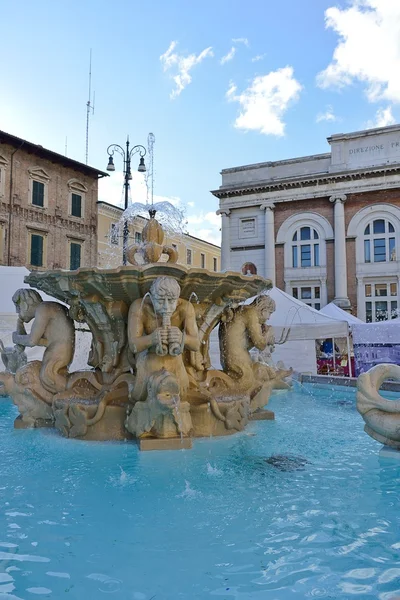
129,283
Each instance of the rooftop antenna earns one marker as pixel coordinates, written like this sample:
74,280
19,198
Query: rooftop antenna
89,106
151,138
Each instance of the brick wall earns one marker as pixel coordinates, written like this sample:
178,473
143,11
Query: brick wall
54,221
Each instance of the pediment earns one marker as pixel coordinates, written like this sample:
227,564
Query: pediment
3,161
76,185
39,173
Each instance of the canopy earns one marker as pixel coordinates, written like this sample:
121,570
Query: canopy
334,311
294,320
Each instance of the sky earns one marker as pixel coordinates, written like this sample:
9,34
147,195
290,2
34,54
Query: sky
220,83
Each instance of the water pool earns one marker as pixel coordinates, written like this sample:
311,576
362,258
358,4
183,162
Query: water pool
82,520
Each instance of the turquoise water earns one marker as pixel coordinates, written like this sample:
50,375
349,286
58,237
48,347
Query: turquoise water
91,520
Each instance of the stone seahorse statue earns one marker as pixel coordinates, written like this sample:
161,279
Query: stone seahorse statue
381,416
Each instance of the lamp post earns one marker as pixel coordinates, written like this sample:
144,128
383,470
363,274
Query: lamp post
126,155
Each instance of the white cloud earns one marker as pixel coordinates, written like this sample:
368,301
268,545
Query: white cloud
191,204
205,226
328,115
182,65
265,101
228,56
243,40
258,57
383,117
368,48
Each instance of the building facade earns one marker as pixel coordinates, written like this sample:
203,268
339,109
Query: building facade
192,251
48,211
323,227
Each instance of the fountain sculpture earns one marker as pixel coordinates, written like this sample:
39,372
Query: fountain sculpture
381,416
150,377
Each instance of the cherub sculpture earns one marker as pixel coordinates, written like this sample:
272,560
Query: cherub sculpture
53,328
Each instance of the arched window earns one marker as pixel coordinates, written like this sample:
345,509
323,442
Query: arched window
305,248
379,241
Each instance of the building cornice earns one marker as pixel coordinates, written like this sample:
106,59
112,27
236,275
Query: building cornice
301,182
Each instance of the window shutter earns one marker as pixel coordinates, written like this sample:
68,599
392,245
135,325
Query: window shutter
76,205
37,193
75,256
37,250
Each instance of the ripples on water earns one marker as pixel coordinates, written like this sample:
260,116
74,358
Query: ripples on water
79,520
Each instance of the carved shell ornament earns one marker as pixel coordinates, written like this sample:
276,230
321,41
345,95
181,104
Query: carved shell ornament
152,247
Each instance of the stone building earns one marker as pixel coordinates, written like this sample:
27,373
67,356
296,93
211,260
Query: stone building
48,213
323,227
193,252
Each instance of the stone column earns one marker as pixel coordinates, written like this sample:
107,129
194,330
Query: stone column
324,292
341,298
269,239
225,239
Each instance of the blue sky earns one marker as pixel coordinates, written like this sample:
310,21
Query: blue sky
294,72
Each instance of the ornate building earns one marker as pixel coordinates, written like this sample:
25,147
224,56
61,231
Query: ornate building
193,252
323,227
48,216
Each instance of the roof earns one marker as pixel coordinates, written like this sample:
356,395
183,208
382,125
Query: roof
333,310
19,143
113,206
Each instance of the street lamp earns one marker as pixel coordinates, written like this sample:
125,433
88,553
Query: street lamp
126,155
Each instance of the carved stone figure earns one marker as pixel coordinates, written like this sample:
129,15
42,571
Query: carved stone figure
163,414
52,328
381,416
161,327
242,329
13,357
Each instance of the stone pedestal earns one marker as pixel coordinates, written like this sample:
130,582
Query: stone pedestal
165,443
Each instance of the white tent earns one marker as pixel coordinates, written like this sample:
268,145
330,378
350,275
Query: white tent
334,311
294,320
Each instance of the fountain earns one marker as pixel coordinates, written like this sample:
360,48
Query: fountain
151,378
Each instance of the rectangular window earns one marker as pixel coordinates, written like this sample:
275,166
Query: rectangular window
295,292
215,264
306,255
380,289
37,193
317,292
188,256
317,306
138,237
74,256
367,251
393,289
316,255
203,260
381,311
76,205
114,234
392,249
294,256
380,250
36,250
368,290
306,293
393,309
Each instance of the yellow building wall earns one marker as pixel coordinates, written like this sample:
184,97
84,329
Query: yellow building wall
110,254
